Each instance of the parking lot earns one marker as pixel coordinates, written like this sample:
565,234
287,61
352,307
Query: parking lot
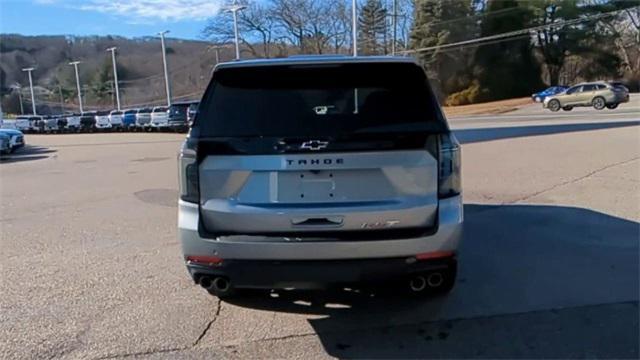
91,265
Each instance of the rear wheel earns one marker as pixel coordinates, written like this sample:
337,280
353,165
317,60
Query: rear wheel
554,105
612,106
599,103
567,108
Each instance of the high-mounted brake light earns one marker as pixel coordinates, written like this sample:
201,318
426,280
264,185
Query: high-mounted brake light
449,179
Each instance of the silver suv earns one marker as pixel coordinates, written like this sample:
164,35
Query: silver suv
306,172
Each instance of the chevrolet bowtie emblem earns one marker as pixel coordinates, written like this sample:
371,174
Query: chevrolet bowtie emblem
314,145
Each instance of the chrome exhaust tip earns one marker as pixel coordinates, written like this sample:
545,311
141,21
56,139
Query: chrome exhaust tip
435,280
417,283
205,282
221,285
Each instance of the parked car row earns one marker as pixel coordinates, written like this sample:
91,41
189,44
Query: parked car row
176,117
599,95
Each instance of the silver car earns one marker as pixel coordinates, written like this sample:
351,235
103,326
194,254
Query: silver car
597,94
304,172
143,118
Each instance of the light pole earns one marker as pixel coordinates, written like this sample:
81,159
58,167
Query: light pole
234,10
164,63
215,48
18,88
115,74
33,98
395,26
354,26
61,99
75,66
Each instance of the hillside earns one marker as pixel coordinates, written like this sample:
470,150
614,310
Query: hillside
139,69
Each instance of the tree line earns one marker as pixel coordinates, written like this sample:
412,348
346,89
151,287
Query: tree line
568,40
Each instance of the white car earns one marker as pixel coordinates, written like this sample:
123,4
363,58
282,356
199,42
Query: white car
22,123
143,118
73,123
115,118
36,123
160,117
102,120
51,124
8,124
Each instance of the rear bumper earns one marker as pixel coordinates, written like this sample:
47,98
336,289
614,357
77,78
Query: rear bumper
308,274
238,251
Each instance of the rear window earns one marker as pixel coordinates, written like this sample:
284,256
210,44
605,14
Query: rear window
158,110
144,111
318,100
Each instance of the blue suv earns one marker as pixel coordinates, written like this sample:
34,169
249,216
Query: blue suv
129,119
540,96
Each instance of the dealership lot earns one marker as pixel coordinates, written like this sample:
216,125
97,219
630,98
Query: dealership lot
91,266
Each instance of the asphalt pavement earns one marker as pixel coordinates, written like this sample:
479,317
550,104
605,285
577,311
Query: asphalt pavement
549,264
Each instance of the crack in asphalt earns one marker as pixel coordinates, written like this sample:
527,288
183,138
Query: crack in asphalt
206,329
572,181
172,349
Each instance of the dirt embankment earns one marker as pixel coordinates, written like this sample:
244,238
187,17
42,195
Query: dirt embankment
494,107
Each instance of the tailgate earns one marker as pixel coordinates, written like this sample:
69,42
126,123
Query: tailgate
298,193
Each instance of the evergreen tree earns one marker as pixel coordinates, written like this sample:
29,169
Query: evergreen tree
102,81
507,68
439,22
372,26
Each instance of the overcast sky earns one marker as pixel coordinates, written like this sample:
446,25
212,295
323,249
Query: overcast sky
130,18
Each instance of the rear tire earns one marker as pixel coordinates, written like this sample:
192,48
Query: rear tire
567,108
599,103
612,106
554,105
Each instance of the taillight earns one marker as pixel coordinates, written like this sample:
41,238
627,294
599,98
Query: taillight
188,170
449,177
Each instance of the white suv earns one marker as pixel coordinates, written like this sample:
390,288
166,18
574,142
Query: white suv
159,117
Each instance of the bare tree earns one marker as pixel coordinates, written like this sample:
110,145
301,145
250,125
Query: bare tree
310,25
256,28
625,29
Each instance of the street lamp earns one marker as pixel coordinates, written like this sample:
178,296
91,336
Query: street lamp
395,27
234,10
33,98
354,26
115,74
216,48
75,66
164,62
18,88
